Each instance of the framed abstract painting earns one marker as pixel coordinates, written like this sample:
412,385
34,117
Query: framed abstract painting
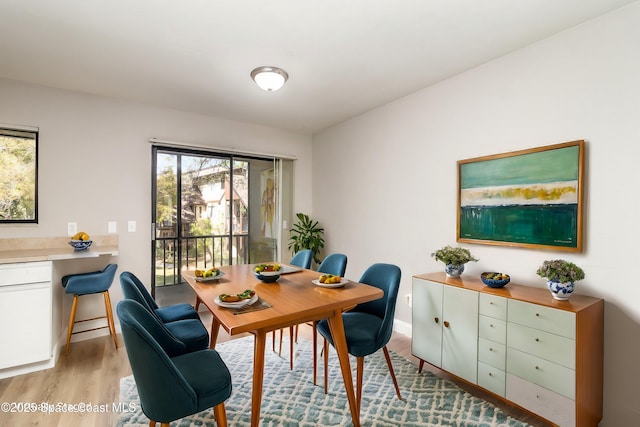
530,198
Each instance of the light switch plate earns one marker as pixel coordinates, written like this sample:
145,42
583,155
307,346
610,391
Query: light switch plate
112,227
72,228
131,226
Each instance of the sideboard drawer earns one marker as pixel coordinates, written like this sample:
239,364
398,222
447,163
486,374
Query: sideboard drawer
493,329
492,353
559,322
552,347
493,306
491,378
552,406
542,372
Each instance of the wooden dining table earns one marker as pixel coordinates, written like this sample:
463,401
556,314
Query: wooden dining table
293,299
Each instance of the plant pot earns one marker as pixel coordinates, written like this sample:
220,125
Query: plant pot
453,270
561,291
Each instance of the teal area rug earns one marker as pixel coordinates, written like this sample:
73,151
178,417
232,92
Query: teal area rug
290,398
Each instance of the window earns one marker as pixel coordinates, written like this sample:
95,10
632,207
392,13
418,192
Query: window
18,176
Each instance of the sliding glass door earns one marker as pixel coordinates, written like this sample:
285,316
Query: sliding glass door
211,210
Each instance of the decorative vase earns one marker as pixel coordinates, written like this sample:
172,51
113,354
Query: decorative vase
561,291
453,270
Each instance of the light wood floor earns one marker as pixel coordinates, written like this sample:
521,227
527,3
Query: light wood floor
91,372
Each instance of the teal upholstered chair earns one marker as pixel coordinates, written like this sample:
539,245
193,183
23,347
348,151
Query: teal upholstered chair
172,382
166,314
335,264
190,330
95,282
368,326
302,259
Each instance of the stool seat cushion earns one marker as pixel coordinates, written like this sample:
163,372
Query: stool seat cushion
90,283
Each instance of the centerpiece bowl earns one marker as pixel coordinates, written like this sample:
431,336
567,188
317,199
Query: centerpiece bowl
495,280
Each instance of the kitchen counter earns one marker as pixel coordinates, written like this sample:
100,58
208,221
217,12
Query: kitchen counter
53,249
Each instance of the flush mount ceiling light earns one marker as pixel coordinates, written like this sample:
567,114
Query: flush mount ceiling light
269,78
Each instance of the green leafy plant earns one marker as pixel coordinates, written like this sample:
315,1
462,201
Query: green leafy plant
560,270
307,234
455,256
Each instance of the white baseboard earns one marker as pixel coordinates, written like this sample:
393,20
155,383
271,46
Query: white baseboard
401,327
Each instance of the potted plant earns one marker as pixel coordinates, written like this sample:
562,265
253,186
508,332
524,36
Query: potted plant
454,259
306,234
561,276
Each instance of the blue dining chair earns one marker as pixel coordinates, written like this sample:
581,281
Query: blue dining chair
190,331
301,259
95,282
368,326
335,264
172,382
169,313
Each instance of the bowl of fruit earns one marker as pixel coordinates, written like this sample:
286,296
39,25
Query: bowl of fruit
495,280
80,241
267,273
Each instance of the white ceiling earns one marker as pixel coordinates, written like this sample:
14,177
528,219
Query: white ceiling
344,57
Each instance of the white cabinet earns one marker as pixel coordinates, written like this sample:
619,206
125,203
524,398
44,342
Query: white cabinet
516,342
447,337
25,313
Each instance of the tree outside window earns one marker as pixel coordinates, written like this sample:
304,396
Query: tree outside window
18,176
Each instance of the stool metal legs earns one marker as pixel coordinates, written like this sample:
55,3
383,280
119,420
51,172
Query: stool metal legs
109,317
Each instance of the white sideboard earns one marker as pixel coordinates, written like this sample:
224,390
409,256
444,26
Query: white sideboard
516,342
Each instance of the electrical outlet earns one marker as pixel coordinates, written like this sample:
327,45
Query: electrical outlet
131,227
112,227
408,299
72,228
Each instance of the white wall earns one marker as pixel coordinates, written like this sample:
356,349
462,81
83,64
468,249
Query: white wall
95,167
400,165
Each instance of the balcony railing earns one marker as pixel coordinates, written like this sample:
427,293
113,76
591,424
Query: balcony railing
175,255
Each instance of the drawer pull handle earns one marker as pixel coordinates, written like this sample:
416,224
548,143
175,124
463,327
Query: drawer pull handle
490,374
537,368
491,325
446,324
491,303
537,339
437,320
490,348
537,315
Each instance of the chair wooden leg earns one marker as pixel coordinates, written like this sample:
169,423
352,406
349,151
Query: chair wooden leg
420,366
325,350
220,414
291,348
107,308
393,374
72,320
359,375
280,347
197,304
152,423
315,352
165,424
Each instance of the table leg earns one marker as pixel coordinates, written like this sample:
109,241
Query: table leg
258,373
340,343
215,328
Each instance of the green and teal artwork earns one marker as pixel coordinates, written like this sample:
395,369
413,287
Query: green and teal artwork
529,198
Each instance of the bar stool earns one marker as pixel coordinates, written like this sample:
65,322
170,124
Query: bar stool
86,284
